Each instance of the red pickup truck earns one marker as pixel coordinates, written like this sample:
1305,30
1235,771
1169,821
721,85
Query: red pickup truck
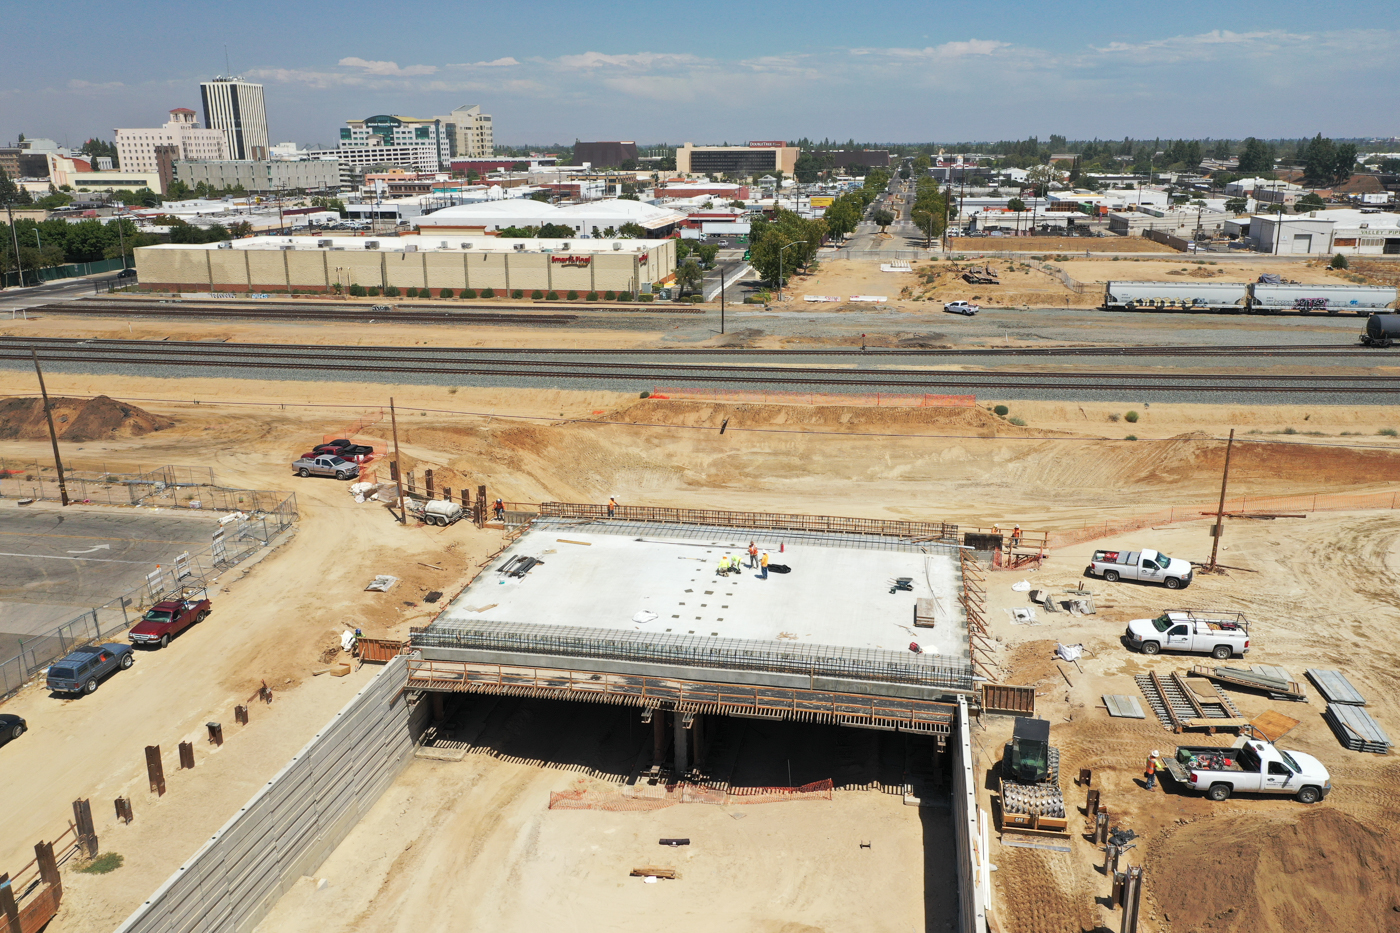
167,619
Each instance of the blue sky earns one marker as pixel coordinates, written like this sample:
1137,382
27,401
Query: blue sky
721,70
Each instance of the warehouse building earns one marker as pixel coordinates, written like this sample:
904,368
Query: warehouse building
756,158
1351,232
309,264
491,216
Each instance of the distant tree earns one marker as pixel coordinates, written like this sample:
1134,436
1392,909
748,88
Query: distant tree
631,231
555,232
922,164
1312,201
807,168
931,224
1016,204
517,233
1256,156
707,253
883,219
541,196
1390,166
688,276
11,193
520,167
1236,205
179,191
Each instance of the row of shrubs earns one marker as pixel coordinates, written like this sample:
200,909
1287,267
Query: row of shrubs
393,291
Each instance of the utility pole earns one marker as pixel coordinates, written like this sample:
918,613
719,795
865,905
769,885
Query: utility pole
398,471
53,435
1220,512
19,267
721,299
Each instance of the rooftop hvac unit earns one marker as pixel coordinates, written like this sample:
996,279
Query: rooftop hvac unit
334,248
564,245
411,248
286,247
519,247
225,245
444,245
323,244
617,246
371,244
466,246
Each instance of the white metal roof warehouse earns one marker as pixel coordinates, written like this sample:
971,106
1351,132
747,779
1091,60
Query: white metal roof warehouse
584,218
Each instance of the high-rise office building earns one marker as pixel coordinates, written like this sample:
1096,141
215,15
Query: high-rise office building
236,107
469,133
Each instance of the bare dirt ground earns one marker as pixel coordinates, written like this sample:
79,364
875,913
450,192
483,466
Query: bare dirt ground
1315,590
1329,573
1024,282
478,834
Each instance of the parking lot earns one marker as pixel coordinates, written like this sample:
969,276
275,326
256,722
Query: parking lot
60,563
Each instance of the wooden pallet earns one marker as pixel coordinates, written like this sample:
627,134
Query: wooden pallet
1180,708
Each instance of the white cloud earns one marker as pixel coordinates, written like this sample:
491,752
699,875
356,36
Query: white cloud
76,85
946,50
633,61
391,69
495,63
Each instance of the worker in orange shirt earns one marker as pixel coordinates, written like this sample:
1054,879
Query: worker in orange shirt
753,556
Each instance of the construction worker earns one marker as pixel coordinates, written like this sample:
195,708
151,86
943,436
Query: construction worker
1149,771
734,564
1016,536
500,509
612,506
753,556
763,562
723,567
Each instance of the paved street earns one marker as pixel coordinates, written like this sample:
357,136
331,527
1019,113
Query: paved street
59,563
17,299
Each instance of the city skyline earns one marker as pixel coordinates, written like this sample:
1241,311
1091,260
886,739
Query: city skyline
904,72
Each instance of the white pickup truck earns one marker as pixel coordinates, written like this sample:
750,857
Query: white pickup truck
1219,634
1249,765
1145,566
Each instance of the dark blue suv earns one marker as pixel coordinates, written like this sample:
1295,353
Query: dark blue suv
81,670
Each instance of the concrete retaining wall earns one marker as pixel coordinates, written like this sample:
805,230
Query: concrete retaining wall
289,826
969,831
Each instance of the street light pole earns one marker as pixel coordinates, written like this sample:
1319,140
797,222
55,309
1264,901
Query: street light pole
19,266
721,299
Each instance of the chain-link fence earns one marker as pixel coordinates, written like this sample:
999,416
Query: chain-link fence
256,518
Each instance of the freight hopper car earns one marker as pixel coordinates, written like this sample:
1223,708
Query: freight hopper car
1255,297
1176,296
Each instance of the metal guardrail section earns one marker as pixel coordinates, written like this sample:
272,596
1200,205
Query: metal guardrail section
686,695
691,651
934,531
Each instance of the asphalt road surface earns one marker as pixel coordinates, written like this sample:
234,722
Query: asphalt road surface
17,299
57,564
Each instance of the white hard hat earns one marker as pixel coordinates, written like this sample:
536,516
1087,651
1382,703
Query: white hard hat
1155,753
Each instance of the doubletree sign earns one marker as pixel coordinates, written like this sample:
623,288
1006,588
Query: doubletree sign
643,257
571,260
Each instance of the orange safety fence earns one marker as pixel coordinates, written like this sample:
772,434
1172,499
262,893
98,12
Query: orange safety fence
857,399
1238,506
675,794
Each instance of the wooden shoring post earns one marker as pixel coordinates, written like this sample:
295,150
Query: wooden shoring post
9,910
48,864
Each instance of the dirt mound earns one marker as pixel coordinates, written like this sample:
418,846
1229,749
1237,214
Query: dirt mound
849,417
1323,870
76,419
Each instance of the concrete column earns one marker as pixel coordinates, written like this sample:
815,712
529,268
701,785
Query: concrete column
438,711
697,735
658,737
682,745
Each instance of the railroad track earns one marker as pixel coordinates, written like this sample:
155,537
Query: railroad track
422,362
314,310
